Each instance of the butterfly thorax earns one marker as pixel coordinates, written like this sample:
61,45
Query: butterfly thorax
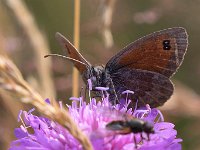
98,76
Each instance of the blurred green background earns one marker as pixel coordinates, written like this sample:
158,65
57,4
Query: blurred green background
131,20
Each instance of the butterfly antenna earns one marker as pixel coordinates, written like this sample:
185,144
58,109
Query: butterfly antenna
65,57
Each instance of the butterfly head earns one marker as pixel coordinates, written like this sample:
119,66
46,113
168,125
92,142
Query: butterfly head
97,75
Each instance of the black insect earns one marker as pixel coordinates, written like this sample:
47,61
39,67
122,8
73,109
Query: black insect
133,125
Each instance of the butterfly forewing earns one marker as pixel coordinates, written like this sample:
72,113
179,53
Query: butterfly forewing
160,52
72,52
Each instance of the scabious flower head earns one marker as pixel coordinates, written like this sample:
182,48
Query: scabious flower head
40,133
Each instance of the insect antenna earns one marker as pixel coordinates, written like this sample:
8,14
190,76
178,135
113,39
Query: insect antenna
69,58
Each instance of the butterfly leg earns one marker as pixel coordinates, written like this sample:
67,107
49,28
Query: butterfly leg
113,91
83,93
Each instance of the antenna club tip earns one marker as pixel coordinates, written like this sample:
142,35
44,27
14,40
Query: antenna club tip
45,56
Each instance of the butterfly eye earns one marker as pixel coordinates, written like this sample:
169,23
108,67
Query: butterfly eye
166,45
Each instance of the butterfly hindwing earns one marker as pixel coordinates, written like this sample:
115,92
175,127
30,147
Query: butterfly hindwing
149,87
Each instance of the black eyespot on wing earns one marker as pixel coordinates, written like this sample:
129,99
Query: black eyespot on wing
166,45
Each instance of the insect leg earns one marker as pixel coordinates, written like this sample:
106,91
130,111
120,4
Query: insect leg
85,93
113,137
148,137
142,138
113,88
135,142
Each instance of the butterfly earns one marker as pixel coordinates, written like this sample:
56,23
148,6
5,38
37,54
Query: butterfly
144,66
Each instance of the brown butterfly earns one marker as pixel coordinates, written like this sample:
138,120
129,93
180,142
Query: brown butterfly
144,66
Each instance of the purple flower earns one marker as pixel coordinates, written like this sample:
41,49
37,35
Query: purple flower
44,134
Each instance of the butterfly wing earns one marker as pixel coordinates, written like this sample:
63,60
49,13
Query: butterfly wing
145,66
149,87
72,52
160,52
